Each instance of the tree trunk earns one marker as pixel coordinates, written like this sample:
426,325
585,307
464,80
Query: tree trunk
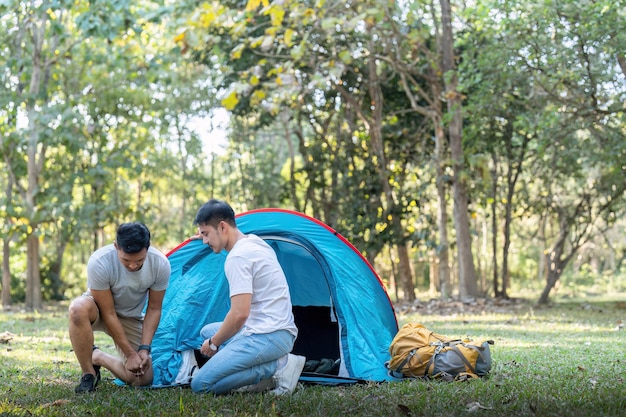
33,278
33,273
394,274
36,156
507,244
553,277
184,157
404,268
557,259
494,224
435,276
6,251
512,175
6,272
554,273
33,282
542,264
467,274
442,215
378,148
292,163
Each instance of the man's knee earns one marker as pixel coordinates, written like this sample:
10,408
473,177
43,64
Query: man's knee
80,309
140,382
199,386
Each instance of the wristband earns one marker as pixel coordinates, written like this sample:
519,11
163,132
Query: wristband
144,347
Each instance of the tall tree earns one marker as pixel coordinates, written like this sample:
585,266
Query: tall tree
467,274
417,57
40,40
500,110
8,150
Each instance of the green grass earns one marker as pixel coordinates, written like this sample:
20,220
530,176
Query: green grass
563,360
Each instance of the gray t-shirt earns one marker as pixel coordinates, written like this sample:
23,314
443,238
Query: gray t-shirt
129,289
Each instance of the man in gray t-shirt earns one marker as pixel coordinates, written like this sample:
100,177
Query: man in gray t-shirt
121,278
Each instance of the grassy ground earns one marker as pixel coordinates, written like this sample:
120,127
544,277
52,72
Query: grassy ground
563,360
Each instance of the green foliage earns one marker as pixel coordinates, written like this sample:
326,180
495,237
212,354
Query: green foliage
322,88
543,125
542,104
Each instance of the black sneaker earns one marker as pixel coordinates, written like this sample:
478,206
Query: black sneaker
87,384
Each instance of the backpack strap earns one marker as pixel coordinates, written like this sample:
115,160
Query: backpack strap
477,349
405,361
430,367
441,345
463,358
431,364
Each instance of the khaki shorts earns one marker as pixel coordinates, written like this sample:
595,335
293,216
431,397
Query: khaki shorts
132,328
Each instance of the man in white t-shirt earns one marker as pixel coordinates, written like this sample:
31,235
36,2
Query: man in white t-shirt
121,278
249,350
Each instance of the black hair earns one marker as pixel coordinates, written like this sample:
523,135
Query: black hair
214,211
132,237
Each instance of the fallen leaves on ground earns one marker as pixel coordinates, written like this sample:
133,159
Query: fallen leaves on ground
476,406
5,337
472,306
56,403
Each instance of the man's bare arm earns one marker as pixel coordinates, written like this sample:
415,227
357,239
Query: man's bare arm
153,316
233,322
104,300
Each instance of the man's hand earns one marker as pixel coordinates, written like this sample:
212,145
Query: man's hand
134,364
206,350
145,360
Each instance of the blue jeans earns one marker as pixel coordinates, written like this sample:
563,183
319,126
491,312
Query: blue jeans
244,359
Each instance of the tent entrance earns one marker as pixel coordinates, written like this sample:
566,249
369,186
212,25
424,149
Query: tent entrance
318,334
308,278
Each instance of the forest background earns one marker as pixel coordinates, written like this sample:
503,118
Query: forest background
468,149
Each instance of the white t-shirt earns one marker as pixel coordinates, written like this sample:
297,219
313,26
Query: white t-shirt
130,289
252,267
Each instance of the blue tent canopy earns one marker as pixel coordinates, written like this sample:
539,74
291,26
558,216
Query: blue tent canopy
340,305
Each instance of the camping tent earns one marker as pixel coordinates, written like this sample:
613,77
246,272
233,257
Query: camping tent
341,308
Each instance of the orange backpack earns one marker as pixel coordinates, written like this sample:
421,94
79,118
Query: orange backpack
417,352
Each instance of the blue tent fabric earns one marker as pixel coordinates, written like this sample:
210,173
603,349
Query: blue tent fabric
329,280
197,294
